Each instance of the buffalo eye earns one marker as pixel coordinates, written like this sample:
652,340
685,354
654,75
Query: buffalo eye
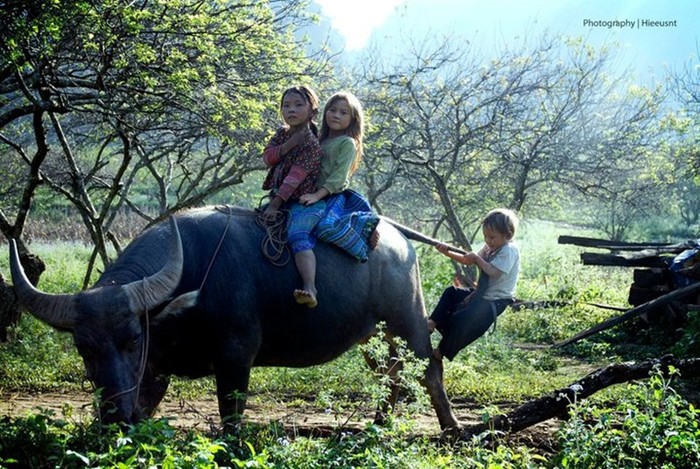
132,343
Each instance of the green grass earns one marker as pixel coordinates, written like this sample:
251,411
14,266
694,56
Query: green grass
550,271
499,369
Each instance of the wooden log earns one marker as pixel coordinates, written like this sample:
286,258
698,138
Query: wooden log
623,246
639,295
522,304
590,258
556,404
647,278
632,313
414,235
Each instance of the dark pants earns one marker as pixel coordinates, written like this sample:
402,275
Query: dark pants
461,324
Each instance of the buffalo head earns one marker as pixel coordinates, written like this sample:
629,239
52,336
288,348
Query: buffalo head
107,323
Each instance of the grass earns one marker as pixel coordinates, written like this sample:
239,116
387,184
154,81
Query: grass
496,370
549,272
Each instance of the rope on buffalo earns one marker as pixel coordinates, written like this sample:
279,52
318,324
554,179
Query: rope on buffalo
274,244
142,362
229,211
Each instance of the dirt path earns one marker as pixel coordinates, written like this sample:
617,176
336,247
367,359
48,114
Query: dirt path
204,413
299,418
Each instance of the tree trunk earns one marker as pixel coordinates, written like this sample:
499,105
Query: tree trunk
10,311
556,404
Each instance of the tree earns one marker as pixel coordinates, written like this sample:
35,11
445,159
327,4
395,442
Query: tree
173,96
685,85
151,106
579,128
433,110
472,133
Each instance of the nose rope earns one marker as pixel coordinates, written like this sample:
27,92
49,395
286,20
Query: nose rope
144,345
142,362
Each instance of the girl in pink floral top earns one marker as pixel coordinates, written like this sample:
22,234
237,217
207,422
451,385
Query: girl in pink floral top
294,153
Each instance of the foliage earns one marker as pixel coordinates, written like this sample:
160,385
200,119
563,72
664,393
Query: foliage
153,106
42,440
457,132
39,359
651,426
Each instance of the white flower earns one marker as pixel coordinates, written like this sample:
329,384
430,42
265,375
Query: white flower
577,388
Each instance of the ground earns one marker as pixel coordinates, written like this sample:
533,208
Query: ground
299,418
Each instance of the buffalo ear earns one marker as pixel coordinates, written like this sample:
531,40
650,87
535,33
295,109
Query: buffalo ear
177,306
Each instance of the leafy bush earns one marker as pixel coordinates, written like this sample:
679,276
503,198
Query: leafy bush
42,441
651,426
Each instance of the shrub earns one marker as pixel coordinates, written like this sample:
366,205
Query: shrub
652,426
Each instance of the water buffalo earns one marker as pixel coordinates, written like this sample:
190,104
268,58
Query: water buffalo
196,297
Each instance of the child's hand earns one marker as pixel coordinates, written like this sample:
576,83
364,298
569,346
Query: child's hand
308,199
469,258
296,139
272,211
442,248
300,136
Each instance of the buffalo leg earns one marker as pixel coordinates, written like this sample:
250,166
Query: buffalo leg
231,391
438,396
417,337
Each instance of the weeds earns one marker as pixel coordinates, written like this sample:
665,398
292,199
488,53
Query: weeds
651,426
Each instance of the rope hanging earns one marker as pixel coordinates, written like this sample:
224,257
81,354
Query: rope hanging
274,244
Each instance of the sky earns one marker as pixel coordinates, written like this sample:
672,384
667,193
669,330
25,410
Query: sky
646,47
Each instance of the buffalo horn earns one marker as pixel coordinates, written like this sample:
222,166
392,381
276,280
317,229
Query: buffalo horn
152,291
55,310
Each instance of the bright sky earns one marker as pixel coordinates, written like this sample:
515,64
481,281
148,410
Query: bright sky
648,49
355,20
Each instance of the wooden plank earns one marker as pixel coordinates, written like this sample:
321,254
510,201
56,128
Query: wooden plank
632,313
623,246
593,258
647,278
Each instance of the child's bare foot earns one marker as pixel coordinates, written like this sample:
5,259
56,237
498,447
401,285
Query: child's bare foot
431,325
304,297
374,239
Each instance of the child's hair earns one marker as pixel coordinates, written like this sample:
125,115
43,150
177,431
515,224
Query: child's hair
356,128
501,220
310,97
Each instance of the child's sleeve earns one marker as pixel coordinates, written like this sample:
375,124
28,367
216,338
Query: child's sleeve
505,259
271,154
307,164
294,178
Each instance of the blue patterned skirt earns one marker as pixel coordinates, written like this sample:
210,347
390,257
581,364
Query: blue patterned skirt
345,220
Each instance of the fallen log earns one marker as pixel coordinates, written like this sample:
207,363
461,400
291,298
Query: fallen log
634,312
522,304
556,404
